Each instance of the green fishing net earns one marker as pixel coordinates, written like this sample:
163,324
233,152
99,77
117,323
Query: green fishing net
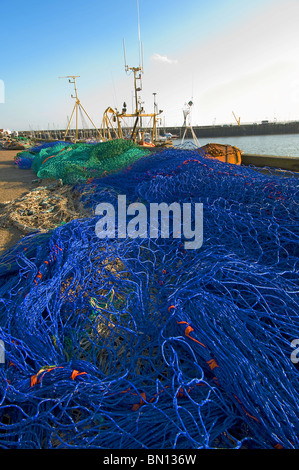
79,162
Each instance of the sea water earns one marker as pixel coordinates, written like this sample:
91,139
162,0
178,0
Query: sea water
283,145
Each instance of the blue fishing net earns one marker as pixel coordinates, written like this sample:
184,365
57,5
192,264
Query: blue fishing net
44,145
139,343
24,160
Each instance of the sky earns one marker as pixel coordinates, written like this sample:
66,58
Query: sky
226,56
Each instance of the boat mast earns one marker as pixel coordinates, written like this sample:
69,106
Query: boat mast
187,123
111,115
77,106
137,71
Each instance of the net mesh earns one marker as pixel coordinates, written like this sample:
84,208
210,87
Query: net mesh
24,159
75,163
140,343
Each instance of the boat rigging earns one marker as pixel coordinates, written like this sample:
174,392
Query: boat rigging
76,109
113,121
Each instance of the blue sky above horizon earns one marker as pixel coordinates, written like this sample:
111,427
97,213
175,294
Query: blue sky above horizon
225,55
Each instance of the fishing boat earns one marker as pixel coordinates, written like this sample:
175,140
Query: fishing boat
118,124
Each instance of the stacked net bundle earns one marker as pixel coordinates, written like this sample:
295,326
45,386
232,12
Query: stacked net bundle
79,162
50,153
42,208
44,145
24,159
140,343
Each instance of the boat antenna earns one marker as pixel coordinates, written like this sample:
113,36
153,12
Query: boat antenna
139,39
126,66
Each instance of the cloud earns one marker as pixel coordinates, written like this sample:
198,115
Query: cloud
163,58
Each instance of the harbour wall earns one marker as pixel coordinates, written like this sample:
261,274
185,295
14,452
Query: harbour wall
226,130
266,128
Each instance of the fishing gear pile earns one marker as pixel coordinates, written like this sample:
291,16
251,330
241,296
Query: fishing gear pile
75,163
141,343
25,158
42,208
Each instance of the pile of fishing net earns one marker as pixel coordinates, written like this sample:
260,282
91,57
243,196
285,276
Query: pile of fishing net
42,208
74,163
13,142
140,343
24,159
